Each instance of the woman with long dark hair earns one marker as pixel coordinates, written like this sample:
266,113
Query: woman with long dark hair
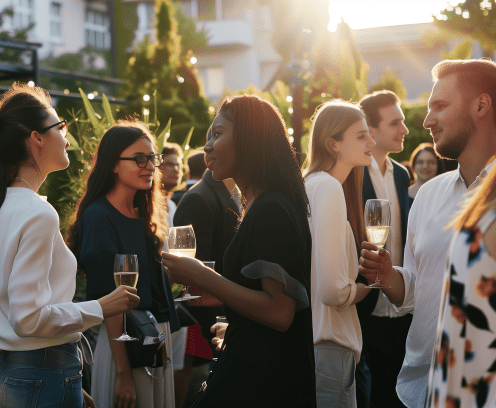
122,212
267,355
39,325
339,147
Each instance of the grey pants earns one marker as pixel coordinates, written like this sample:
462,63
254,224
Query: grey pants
335,375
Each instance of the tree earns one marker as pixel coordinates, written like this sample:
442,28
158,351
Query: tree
160,67
389,81
474,19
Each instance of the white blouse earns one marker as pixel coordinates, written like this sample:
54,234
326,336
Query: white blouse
334,265
37,277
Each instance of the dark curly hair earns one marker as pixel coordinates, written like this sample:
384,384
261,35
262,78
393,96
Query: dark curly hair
263,154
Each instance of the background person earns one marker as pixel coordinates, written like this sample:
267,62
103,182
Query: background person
39,324
267,360
425,164
172,174
339,145
196,168
122,212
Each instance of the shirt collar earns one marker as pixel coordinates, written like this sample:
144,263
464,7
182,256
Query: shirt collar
389,165
485,171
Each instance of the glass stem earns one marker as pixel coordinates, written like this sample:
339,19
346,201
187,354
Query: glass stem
124,322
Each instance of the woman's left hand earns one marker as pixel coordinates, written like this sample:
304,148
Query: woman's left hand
88,401
183,270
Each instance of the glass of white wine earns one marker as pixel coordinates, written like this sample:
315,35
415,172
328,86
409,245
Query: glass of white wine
377,221
182,242
126,272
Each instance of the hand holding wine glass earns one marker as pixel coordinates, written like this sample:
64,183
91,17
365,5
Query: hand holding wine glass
126,272
182,242
377,222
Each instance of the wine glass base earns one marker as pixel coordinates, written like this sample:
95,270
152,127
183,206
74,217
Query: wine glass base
186,298
125,337
376,285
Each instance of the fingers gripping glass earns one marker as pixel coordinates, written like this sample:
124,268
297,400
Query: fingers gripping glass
142,160
377,220
125,273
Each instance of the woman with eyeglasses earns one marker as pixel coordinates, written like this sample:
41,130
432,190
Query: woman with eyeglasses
40,365
122,212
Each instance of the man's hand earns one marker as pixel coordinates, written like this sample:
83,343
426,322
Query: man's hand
376,264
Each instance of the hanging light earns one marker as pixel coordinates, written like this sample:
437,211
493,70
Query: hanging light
146,98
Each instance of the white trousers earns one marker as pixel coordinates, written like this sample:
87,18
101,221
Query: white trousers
150,392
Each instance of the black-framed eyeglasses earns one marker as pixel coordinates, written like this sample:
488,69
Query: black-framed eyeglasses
142,160
51,126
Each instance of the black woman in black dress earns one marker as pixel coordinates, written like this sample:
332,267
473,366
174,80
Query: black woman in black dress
267,358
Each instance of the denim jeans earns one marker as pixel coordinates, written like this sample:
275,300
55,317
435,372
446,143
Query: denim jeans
44,378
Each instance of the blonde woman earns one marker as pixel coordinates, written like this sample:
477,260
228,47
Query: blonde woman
340,145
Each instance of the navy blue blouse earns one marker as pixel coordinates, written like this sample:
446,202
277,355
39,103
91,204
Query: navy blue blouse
105,232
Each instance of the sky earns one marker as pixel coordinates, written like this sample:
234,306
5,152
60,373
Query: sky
376,13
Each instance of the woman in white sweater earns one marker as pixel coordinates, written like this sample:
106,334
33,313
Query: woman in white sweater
339,147
39,325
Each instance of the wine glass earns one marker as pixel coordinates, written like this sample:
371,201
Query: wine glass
186,295
181,241
377,221
126,272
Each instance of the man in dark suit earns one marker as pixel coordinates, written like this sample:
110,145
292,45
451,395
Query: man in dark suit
384,331
196,168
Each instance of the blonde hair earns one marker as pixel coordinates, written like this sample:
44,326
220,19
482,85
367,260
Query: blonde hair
332,120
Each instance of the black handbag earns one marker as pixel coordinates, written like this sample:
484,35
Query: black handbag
205,383
149,350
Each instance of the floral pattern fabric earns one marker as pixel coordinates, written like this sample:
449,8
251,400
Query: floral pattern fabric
464,367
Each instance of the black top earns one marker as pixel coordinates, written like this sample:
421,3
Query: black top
260,366
105,232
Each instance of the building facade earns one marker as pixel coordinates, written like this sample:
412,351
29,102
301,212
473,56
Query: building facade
61,26
239,32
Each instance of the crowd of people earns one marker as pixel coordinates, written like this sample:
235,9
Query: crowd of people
292,262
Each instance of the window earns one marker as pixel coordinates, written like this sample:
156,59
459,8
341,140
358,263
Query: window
233,9
23,14
97,29
206,10
56,20
213,79
150,15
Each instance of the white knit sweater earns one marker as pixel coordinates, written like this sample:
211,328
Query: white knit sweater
37,277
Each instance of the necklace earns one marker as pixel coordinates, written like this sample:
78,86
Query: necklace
20,178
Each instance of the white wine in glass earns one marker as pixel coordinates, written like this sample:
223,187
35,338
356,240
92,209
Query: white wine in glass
377,221
182,242
126,272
